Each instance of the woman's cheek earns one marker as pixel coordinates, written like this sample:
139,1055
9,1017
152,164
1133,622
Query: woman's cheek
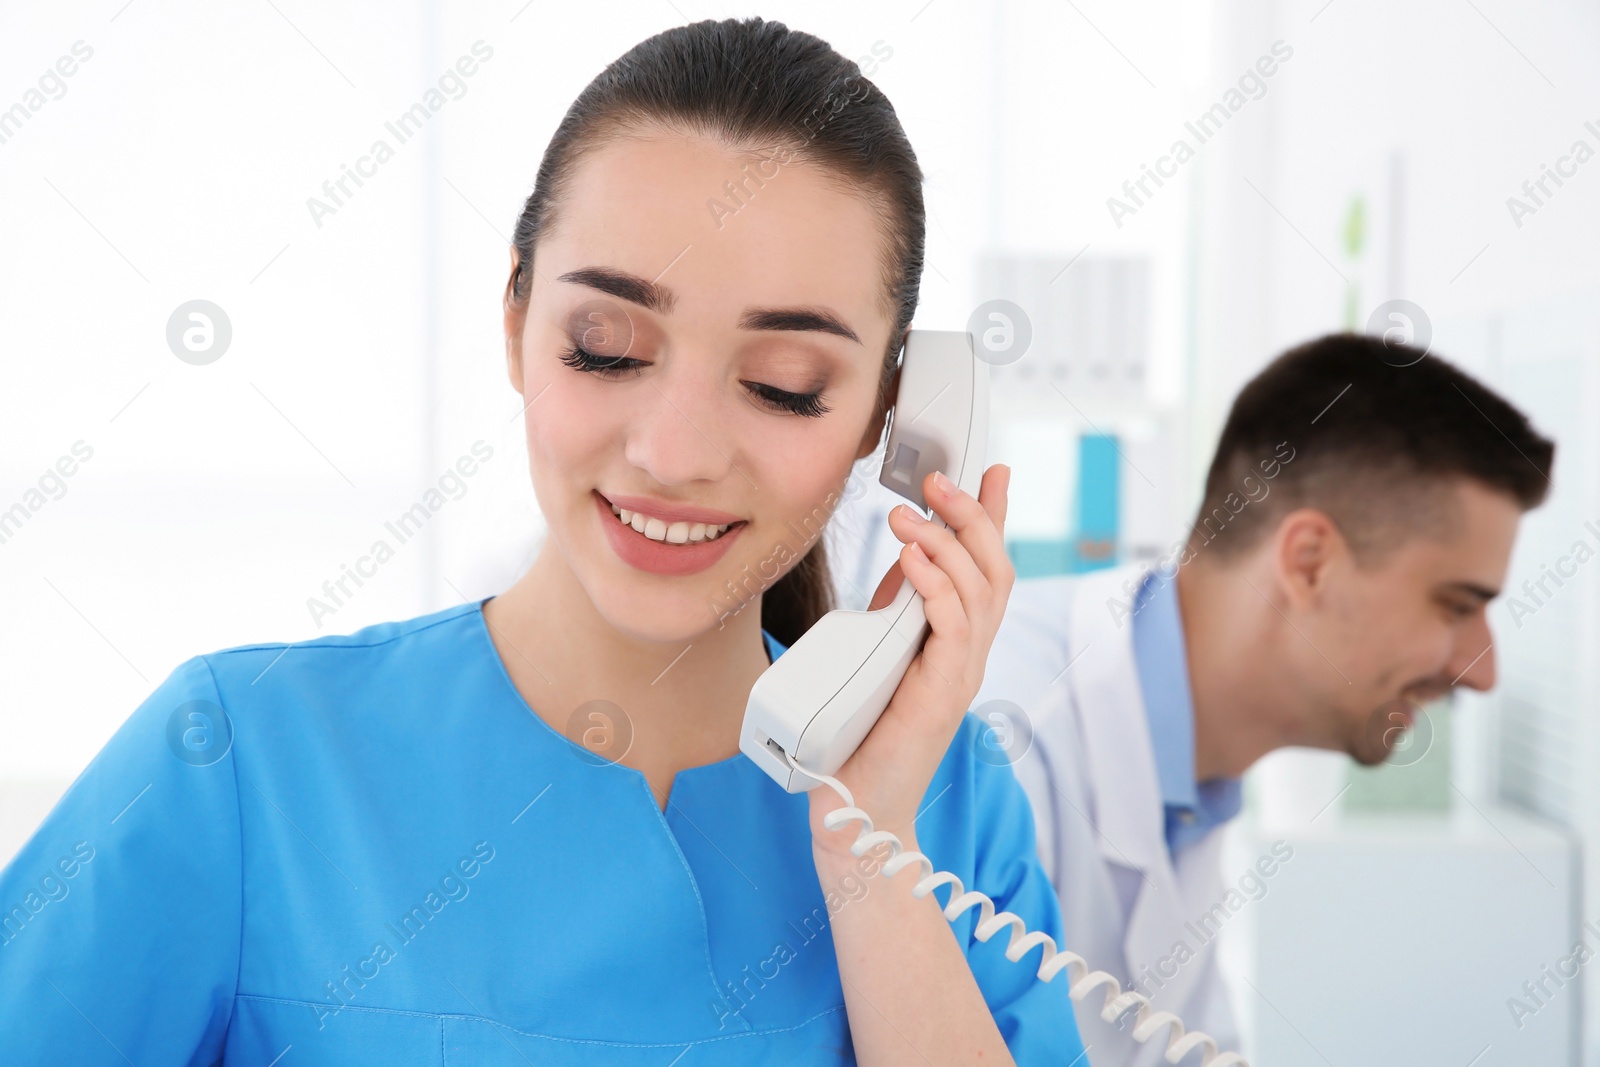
814,493
561,445
568,418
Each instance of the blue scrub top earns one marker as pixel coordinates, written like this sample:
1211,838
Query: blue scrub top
377,853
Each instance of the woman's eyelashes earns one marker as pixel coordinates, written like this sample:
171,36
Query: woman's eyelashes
808,405
581,359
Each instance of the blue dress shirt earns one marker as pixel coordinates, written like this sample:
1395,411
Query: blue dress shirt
369,849
1193,809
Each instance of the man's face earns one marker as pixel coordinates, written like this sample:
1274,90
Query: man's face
1403,630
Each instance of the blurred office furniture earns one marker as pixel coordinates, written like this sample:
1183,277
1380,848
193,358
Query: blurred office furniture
1397,940
1096,525
1074,410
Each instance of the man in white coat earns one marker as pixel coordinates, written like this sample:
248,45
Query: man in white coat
1358,517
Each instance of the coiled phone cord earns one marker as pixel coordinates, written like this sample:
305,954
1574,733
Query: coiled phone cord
1081,981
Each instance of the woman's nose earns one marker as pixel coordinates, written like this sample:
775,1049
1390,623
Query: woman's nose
680,430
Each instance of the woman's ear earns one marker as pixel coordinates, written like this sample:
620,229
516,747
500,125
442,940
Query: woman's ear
515,319
880,416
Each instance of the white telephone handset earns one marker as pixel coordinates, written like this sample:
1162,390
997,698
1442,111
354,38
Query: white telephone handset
818,701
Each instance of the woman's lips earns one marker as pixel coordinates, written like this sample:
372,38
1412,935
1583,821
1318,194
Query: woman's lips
670,512
660,557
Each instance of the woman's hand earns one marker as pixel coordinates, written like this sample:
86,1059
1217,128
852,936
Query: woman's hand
965,579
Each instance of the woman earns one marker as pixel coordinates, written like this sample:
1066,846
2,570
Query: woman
520,830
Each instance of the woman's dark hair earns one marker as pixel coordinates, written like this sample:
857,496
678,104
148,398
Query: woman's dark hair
761,86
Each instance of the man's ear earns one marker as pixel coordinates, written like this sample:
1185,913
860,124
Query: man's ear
1308,543
880,415
515,319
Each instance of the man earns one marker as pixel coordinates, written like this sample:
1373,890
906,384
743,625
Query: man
1358,518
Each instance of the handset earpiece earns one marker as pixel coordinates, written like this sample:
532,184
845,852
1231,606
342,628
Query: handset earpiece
818,701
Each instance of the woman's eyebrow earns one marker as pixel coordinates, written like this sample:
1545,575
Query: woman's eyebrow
660,299
798,318
624,286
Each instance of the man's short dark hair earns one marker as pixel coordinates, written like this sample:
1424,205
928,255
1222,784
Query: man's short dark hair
1370,433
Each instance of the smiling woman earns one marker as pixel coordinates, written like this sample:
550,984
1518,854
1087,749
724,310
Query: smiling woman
853,246
695,398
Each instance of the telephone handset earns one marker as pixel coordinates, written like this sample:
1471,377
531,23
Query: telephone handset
817,702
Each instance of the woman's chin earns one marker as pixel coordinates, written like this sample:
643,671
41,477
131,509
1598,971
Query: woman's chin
673,619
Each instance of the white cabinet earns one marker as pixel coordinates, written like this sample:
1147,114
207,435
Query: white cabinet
1397,941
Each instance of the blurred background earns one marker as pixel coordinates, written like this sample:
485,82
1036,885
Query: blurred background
220,377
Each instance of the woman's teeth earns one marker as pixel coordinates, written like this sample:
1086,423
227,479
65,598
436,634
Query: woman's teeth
676,533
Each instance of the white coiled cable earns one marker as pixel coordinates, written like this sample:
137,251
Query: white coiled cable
1081,981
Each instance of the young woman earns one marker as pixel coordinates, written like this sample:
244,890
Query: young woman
520,830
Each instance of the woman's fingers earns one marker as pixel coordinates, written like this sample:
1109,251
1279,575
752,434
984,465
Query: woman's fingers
977,522
971,550
995,494
945,613
947,555
885,593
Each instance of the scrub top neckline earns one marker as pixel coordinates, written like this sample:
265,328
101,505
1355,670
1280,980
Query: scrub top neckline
481,625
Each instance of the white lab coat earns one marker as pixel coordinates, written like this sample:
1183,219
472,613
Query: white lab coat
1091,776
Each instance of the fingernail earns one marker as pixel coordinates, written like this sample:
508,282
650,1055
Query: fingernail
944,484
911,513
